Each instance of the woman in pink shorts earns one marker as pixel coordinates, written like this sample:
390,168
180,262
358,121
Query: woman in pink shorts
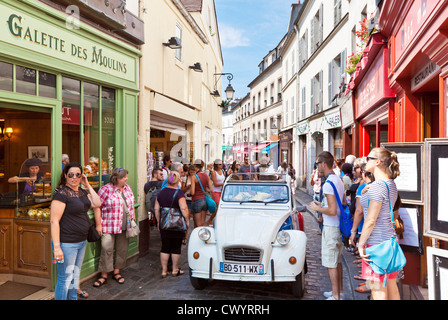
377,219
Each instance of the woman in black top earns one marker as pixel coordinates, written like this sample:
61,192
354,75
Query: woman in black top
69,227
171,240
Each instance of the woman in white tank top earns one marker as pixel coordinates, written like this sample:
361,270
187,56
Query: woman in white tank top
218,179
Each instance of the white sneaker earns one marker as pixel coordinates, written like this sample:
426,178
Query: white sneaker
329,294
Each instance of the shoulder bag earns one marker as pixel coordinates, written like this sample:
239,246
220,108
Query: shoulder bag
93,235
386,257
171,219
345,218
211,204
132,229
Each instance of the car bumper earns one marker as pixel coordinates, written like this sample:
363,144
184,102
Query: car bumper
204,261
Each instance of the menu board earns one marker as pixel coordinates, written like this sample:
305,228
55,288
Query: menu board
410,181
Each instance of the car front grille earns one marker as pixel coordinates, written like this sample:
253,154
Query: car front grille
242,254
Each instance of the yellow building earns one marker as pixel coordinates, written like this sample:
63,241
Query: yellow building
178,115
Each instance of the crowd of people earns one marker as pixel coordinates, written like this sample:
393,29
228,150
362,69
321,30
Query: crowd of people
365,185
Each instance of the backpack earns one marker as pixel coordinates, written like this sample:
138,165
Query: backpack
150,201
345,219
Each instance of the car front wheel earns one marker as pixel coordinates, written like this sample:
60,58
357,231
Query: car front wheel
198,283
298,286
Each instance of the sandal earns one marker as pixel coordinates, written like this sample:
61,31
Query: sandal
82,294
178,273
117,277
99,283
359,278
362,289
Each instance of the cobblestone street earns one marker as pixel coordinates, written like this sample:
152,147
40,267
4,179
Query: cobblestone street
143,280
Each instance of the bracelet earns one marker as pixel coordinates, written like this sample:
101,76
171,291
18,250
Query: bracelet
354,232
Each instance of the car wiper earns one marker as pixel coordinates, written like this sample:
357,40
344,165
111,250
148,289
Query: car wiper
276,200
251,201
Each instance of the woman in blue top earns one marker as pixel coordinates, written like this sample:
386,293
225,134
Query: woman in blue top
377,218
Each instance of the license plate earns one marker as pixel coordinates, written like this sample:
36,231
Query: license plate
241,268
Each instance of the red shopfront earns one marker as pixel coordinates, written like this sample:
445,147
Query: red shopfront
374,99
418,45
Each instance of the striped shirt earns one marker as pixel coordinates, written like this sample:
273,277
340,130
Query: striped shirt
383,229
112,207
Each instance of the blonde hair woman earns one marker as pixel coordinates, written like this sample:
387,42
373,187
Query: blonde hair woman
171,196
377,218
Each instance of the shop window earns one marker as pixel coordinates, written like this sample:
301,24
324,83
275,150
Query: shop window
5,76
108,130
91,133
71,101
47,85
98,121
25,80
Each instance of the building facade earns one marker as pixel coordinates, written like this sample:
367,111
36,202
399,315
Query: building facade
180,68
69,85
326,33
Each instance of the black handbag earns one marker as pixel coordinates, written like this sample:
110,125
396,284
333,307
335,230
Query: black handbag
93,235
171,219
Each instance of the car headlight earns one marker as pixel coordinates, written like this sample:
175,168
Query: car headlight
204,234
283,237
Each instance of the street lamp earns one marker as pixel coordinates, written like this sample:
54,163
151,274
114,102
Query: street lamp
229,90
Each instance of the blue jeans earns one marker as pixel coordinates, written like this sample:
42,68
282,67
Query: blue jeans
69,271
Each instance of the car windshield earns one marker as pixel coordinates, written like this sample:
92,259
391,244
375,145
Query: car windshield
255,193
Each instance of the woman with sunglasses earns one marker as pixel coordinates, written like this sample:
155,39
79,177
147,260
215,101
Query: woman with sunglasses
377,218
69,227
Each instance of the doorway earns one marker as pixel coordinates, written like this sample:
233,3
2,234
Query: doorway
430,112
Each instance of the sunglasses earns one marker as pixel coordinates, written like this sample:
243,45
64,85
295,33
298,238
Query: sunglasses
318,162
71,175
371,158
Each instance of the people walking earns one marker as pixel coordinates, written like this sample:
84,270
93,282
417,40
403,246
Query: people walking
117,207
331,235
199,204
218,178
246,168
171,197
377,219
69,228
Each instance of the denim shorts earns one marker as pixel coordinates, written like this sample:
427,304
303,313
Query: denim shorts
199,205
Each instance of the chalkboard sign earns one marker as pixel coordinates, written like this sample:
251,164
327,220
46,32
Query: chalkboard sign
436,189
410,181
412,238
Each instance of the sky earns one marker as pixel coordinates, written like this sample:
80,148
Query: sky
248,30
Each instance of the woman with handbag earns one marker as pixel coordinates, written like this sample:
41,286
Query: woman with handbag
171,206
117,214
70,227
200,183
378,229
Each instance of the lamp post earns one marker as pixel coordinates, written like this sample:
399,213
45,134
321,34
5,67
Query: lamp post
229,90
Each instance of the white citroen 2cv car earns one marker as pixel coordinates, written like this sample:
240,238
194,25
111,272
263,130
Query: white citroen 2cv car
258,235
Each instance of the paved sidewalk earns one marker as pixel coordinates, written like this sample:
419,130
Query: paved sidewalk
350,269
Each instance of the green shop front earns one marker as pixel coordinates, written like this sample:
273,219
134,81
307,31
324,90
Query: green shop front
64,89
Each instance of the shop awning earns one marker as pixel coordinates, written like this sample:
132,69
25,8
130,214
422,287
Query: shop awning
269,147
258,148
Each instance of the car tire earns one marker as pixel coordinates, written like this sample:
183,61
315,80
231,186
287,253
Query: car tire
298,286
198,283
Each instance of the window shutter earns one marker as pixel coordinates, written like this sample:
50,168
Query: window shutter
312,96
321,90
330,82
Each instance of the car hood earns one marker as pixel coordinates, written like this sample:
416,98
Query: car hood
249,227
